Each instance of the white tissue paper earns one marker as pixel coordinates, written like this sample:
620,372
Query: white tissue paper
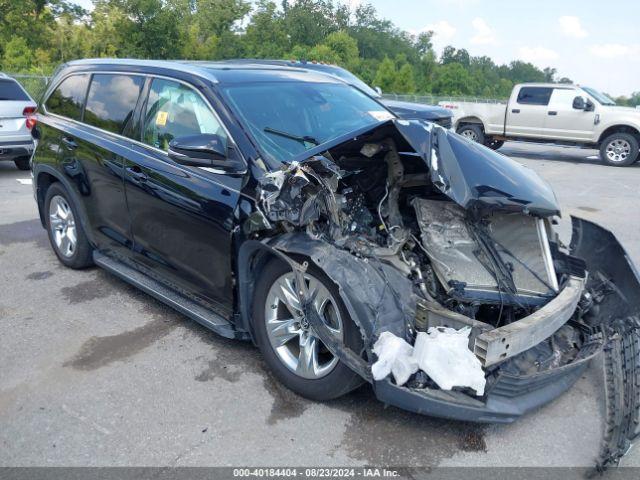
394,356
443,354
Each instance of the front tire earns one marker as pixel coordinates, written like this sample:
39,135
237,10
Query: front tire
472,132
67,237
619,149
296,357
22,163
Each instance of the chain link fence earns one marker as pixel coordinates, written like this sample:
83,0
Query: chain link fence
35,85
435,99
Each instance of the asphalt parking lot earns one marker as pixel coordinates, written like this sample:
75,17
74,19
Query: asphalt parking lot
95,373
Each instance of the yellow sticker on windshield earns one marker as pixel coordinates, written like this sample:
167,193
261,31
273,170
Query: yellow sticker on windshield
161,118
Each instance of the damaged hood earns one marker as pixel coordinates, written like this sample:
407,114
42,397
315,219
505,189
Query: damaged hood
473,176
476,177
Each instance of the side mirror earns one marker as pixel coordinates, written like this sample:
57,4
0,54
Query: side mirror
378,89
204,150
579,103
590,106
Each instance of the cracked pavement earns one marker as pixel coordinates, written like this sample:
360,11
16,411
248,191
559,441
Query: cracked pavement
96,373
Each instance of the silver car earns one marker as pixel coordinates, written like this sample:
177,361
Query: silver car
17,117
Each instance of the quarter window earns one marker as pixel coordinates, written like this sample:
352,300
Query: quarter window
67,100
534,95
175,110
112,100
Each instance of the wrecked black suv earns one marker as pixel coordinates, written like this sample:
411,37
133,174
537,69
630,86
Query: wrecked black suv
286,207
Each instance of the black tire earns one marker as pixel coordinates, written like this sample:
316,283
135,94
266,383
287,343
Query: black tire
494,144
624,157
22,163
339,381
82,255
473,132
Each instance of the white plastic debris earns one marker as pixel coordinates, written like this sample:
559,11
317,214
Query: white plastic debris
443,354
394,356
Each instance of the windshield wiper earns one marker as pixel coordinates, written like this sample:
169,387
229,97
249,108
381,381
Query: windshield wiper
302,139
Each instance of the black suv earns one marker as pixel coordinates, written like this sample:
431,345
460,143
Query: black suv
284,206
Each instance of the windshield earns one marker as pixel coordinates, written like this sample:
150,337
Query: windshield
288,118
600,97
353,80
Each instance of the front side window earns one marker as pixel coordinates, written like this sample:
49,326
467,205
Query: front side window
175,110
534,95
112,100
67,100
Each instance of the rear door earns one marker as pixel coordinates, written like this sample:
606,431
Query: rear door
527,113
182,217
563,122
94,122
13,100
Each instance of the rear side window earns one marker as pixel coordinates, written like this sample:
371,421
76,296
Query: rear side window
68,98
534,95
112,100
10,90
175,110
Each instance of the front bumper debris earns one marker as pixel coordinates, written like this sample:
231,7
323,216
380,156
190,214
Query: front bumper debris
505,342
510,397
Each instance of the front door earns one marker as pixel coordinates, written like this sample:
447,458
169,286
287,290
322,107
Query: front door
563,122
182,217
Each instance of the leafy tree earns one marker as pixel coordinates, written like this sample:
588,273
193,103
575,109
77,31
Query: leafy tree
386,75
18,57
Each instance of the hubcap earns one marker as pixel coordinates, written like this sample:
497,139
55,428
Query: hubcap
618,150
289,333
63,226
470,134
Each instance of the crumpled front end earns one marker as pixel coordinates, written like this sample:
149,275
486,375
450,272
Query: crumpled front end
431,238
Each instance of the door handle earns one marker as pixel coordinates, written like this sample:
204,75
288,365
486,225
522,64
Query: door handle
515,110
137,174
69,142
552,113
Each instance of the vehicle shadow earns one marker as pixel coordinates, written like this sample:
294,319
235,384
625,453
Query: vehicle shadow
554,154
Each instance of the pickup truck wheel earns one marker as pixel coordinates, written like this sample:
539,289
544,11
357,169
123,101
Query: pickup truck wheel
22,163
619,149
291,350
472,132
494,144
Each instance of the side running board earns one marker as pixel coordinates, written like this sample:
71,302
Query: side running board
166,295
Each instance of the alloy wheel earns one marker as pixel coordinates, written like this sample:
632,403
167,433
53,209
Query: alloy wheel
63,226
470,134
289,333
618,150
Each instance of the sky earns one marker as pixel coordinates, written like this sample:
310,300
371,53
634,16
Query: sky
595,43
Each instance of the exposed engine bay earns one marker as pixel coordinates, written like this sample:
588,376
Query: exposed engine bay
423,245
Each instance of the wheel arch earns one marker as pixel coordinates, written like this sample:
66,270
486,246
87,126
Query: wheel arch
469,120
44,177
618,128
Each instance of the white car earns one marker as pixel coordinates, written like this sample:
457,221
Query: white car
556,113
17,117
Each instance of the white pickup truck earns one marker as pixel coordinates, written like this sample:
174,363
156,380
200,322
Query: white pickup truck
553,113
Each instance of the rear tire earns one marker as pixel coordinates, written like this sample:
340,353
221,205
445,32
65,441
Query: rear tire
619,149
22,163
472,132
338,379
494,144
67,237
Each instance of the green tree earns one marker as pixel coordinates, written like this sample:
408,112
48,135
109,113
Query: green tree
18,57
386,75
